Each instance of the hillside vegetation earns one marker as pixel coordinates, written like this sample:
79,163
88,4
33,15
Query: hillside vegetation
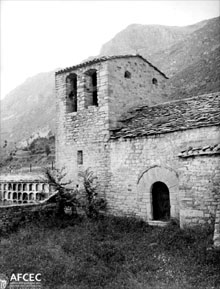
110,253
40,153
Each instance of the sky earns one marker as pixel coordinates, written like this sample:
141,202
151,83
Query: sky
40,36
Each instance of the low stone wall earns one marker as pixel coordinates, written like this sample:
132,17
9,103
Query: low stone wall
12,216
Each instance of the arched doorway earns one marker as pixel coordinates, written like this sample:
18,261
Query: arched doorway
147,184
160,201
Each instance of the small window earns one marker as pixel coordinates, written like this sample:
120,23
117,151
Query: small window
154,81
80,157
127,74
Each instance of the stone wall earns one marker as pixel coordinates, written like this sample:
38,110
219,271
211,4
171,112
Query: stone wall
12,216
130,152
86,130
136,163
137,90
199,188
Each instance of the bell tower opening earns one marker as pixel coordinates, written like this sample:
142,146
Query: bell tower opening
91,88
71,93
160,201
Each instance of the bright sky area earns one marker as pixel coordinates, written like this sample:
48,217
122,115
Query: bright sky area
40,36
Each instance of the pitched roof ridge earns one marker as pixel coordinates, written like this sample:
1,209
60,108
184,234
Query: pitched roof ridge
105,58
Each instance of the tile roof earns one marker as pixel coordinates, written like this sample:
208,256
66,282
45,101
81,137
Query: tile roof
106,58
200,111
206,150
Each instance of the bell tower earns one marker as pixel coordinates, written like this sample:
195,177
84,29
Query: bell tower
90,97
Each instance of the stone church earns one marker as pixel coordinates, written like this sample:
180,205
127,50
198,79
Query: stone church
154,159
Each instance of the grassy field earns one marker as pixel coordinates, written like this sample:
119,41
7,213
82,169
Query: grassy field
111,253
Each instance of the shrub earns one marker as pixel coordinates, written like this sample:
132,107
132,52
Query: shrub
90,201
66,198
69,200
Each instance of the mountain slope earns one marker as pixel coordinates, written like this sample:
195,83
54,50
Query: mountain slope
189,55
29,107
191,49
147,39
203,76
